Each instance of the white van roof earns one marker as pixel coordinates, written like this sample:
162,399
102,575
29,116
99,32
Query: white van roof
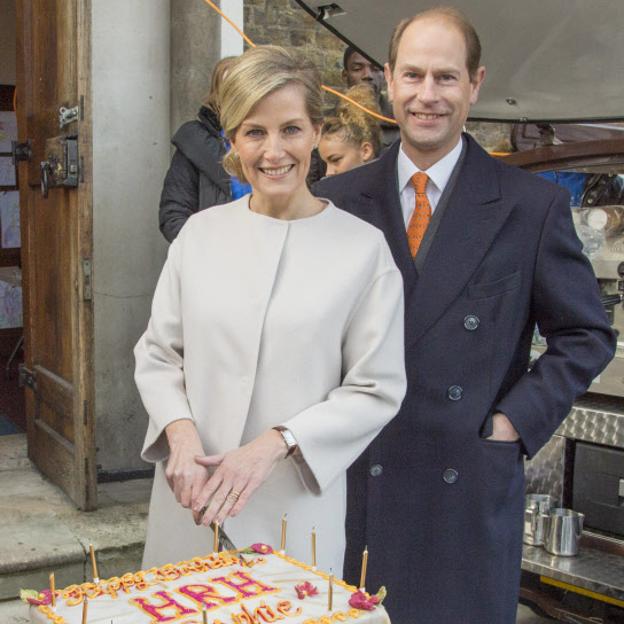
546,60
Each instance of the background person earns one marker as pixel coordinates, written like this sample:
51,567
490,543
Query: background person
357,69
275,310
350,137
487,251
196,179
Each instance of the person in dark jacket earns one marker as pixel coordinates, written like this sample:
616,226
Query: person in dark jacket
486,251
196,179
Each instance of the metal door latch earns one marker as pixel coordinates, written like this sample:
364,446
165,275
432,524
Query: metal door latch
62,165
68,115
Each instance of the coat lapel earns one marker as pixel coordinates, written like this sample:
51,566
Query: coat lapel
473,217
380,205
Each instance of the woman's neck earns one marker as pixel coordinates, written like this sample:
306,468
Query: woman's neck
288,208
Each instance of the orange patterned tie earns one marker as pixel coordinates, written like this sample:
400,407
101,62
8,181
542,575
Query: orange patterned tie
422,213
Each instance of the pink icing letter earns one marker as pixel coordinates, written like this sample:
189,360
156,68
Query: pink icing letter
167,603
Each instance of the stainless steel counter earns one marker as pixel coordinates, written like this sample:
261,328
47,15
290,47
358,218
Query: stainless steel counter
591,569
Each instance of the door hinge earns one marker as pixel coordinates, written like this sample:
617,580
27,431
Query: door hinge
68,115
26,377
87,282
21,151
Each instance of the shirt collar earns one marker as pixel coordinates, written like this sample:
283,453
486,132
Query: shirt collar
439,173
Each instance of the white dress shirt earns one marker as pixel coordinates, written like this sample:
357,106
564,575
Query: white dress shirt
439,174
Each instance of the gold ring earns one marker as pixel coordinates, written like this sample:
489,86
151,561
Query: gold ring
202,511
233,495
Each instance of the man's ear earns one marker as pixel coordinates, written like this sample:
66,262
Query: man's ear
389,79
476,83
366,151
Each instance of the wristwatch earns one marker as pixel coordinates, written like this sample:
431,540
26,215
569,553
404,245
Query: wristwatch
289,439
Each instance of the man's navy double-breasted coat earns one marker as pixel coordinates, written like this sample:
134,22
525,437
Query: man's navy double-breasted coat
439,506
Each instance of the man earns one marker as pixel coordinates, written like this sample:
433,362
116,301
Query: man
486,252
357,69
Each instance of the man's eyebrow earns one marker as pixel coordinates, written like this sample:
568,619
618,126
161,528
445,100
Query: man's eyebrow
437,70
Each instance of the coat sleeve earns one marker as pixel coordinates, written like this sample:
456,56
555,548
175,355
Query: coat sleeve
333,433
180,195
159,354
566,305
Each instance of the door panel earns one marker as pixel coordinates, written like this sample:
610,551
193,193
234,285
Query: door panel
53,72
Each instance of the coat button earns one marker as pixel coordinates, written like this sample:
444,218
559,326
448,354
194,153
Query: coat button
450,476
471,322
375,470
455,393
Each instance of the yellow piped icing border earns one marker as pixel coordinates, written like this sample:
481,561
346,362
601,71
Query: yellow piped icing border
309,568
75,594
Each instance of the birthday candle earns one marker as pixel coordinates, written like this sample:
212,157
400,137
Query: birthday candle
53,589
330,593
216,537
283,542
364,566
85,608
313,547
204,616
96,577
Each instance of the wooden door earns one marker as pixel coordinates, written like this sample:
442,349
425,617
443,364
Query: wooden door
53,58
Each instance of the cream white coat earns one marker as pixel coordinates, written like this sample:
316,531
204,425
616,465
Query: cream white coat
258,322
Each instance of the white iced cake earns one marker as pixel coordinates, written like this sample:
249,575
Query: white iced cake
262,586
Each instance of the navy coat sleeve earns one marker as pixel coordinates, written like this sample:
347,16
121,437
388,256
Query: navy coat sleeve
566,305
180,195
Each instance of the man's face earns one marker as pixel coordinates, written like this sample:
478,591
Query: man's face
360,70
431,90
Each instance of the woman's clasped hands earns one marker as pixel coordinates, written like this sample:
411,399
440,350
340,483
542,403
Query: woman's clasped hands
234,476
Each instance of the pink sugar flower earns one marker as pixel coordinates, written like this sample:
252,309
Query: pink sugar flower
306,589
363,601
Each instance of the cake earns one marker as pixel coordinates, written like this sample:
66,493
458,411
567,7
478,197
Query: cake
255,587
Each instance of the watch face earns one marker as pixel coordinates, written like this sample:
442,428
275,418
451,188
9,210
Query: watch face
289,439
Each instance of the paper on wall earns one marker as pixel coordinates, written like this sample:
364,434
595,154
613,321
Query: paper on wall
8,130
9,219
7,171
10,305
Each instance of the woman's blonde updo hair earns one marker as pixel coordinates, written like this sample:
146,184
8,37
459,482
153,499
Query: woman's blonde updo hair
353,124
255,74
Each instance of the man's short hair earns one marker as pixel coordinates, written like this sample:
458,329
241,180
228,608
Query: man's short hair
348,53
457,19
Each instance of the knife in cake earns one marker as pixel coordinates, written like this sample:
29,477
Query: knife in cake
225,543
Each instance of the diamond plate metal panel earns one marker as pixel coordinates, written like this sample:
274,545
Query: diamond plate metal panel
545,472
594,422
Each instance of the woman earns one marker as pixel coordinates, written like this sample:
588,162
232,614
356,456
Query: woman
196,179
274,353
351,137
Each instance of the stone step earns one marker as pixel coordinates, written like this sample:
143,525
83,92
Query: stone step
14,452
43,532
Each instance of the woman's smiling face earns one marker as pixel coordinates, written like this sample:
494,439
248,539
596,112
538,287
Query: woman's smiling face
274,144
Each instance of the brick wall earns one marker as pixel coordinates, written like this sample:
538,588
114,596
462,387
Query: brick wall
284,22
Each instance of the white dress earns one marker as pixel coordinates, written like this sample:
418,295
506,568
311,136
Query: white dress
258,322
